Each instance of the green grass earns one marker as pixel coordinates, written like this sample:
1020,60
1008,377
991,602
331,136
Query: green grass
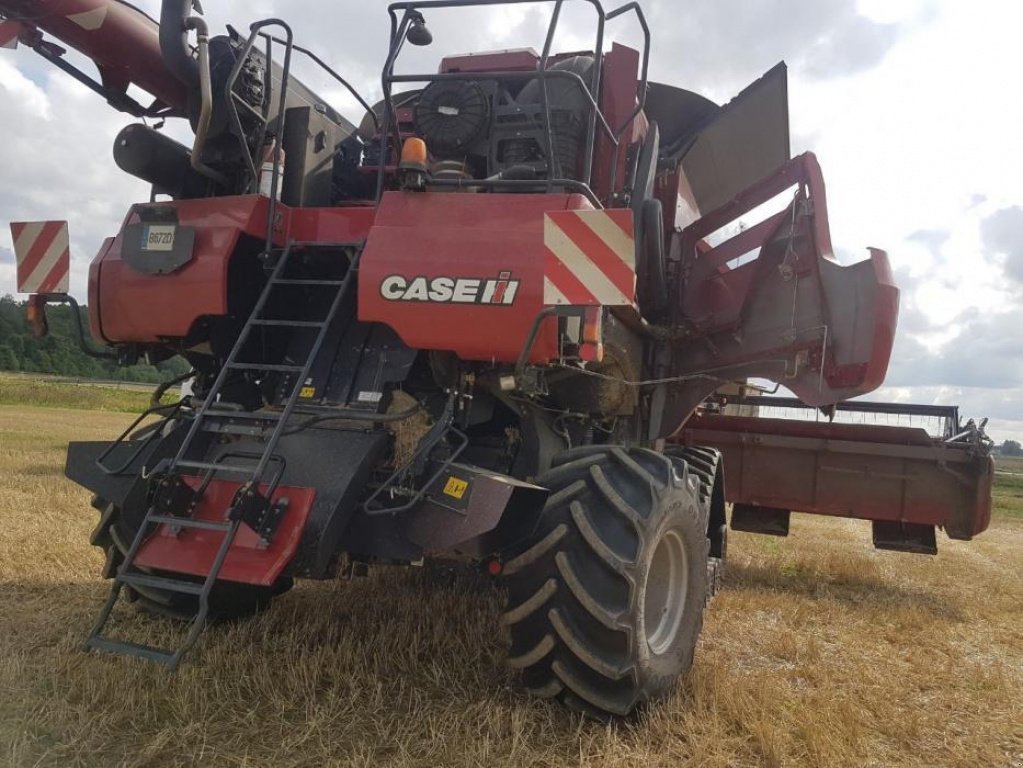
1007,495
40,392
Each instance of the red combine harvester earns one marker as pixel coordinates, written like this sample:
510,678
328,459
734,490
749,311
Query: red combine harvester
475,327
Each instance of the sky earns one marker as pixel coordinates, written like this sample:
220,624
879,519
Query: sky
913,107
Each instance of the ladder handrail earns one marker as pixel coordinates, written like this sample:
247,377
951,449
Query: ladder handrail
156,515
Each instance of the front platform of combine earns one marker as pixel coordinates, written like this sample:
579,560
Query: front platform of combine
469,327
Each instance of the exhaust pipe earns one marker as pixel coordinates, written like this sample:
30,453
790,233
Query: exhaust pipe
177,53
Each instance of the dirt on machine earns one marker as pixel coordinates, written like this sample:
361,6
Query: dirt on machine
502,318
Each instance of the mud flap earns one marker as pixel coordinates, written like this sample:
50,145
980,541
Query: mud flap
905,537
472,511
753,518
468,511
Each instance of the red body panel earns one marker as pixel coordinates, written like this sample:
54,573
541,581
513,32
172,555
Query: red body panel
435,235
850,470
140,307
789,312
617,102
249,561
129,306
514,59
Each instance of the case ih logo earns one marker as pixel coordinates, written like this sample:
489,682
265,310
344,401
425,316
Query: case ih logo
451,290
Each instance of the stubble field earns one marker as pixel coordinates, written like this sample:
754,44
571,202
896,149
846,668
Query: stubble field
820,651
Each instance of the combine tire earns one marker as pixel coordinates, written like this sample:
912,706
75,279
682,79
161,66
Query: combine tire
228,600
606,601
705,465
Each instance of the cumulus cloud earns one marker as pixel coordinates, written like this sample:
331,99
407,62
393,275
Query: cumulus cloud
1002,233
985,352
725,45
931,239
58,150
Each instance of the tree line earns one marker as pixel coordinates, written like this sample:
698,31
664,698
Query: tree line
59,353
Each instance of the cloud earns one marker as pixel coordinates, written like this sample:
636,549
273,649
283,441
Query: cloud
726,45
6,256
1002,233
986,352
931,239
1001,407
59,150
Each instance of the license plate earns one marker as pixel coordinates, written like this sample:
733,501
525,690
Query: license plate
158,237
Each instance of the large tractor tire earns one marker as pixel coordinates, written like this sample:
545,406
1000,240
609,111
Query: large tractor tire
606,602
705,464
228,600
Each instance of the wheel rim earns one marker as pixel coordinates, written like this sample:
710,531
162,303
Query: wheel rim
666,588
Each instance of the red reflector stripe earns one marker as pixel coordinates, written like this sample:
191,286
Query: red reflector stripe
9,31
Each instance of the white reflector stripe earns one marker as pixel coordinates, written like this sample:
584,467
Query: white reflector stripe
551,294
43,256
590,258
616,238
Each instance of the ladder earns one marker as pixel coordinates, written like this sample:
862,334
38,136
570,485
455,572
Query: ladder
170,495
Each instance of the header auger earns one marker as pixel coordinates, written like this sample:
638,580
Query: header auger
467,326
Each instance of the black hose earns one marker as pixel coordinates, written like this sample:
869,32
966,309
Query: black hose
352,414
161,389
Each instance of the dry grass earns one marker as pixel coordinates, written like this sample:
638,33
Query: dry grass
51,392
819,652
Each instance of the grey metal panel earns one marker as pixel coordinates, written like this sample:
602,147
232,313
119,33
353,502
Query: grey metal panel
747,141
309,142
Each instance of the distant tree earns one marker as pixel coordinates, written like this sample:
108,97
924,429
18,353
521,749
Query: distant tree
1011,448
8,360
59,352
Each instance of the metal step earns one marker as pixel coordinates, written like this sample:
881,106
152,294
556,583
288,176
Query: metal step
159,582
244,415
288,323
250,429
305,281
189,522
206,466
124,647
268,367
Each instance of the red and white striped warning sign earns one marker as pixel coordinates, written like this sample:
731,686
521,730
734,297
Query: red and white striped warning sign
590,258
43,255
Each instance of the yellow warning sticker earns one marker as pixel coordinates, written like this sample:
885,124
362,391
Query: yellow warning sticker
456,487
307,392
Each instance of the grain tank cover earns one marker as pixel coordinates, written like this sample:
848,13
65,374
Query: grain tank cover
723,150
